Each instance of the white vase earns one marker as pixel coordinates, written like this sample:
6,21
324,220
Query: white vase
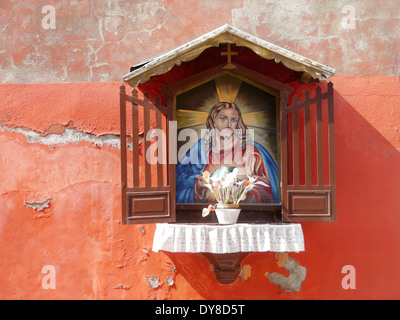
227,214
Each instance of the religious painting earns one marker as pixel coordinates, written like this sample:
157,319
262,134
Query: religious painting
228,122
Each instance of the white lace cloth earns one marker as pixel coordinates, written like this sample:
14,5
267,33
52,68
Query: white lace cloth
232,238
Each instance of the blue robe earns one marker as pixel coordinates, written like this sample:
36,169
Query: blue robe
194,163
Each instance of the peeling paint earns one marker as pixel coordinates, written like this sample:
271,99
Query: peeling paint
153,282
246,272
296,277
99,40
58,128
95,39
170,281
39,206
120,286
66,137
281,259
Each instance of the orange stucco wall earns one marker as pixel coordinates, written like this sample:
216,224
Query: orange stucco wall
60,159
81,235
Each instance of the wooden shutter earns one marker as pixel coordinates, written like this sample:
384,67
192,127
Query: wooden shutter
147,180
308,158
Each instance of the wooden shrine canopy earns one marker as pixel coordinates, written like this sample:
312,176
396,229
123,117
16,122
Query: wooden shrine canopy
308,68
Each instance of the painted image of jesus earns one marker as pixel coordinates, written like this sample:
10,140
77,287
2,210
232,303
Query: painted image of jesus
226,141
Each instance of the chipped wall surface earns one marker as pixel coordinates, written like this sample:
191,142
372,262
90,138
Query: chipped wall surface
60,157
79,230
297,274
100,40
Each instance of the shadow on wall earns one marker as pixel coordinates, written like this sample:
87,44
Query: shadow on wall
367,163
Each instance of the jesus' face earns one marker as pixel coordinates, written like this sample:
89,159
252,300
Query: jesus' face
226,121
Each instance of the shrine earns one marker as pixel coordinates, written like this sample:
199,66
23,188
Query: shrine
227,67
199,150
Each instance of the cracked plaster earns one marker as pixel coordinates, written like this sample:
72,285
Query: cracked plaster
66,137
40,206
100,40
84,186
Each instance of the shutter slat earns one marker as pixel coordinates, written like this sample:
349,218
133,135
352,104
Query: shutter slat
307,143
159,151
144,202
296,143
135,142
308,202
320,151
147,167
